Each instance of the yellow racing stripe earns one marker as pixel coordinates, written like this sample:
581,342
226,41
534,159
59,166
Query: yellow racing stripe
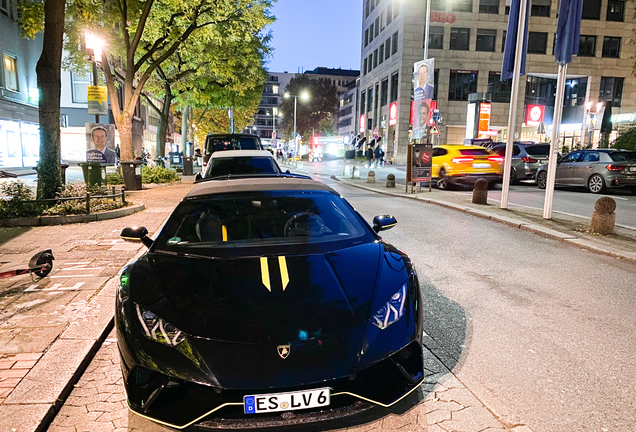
284,276
265,274
224,229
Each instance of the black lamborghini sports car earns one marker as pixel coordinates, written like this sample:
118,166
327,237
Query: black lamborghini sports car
265,300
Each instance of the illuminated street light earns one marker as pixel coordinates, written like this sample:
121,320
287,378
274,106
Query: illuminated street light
94,47
305,96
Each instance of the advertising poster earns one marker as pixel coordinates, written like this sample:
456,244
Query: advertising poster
100,143
97,97
423,76
422,162
484,120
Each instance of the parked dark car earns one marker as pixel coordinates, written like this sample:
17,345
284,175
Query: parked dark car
526,159
219,142
595,169
259,299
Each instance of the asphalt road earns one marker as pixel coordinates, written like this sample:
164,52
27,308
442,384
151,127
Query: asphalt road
573,201
542,332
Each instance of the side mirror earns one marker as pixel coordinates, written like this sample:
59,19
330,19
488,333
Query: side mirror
198,177
136,234
384,222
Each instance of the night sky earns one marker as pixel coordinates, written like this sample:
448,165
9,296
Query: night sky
312,33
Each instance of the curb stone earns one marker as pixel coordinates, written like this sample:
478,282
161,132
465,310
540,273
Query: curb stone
71,219
524,226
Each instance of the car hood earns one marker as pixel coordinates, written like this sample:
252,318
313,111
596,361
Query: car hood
252,299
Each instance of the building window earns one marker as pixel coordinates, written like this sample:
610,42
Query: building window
587,46
537,42
503,41
438,5
370,62
611,90
575,90
500,91
369,98
489,6
462,6
394,87
375,59
459,38
364,67
611,47
615,10
377,26
372,5
366,37
383,20
591,9
384,89
462,83
540,91
367,9
486,40
381,54
387,49
389,13
540,8
362,102
371,33
435,37
10,64
6,8
394,42
396,9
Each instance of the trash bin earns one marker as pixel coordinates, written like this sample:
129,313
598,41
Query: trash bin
131,171
176,158
188,166
94,173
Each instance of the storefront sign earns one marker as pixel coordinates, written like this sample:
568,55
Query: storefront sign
628,117
363,121
437,17
484,120
393,113
534,115
97,97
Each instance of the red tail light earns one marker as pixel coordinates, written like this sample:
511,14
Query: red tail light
497,159
463,160
615,167
529,159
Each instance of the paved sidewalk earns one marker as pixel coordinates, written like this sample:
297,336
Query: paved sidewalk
49,327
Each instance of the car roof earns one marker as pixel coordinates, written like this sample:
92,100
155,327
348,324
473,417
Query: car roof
228,135
257,185
241,153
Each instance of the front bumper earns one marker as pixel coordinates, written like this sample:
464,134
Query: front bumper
179,403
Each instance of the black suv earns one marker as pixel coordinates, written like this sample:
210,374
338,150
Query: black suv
219,142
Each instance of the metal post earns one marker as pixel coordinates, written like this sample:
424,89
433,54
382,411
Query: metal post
427,29
586,114
95,83
512,116
556,123
88,203
295,150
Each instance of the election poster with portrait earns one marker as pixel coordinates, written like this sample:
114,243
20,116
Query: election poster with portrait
100,143
423,76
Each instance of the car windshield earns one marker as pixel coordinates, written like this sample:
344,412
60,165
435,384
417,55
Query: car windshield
241,166
538,150
218,143
258,219
623,156
475,152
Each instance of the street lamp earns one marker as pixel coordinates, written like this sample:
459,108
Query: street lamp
94,49
304,95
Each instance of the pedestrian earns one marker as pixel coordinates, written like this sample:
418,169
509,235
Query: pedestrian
379,154
369,157
117,154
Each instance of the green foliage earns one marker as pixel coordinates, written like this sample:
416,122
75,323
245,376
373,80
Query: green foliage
114,179
17,193
31,17
327,127
79,206
158,175
627,140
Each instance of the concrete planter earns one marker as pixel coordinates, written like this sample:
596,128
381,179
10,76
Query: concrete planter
71,219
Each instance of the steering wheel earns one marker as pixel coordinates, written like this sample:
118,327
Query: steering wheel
293,219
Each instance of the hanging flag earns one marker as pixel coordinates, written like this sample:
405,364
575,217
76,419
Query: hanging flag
511,42
568,31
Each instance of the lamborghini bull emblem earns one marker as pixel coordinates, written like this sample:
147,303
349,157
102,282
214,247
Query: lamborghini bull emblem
283,351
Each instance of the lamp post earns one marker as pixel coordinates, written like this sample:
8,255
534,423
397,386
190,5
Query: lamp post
304,96
586,116
94,49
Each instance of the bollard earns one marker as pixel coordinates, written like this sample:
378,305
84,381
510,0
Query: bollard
355,173
347,170
390,181
480,193
371,177
603,218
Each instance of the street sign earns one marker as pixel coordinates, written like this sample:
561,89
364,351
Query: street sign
434,129
376,131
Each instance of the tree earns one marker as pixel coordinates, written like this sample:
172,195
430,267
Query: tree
327,127
627,140
140,36
323,104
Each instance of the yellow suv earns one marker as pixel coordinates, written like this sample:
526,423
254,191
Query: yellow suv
458,164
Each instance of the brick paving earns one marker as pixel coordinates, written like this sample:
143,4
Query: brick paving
34,314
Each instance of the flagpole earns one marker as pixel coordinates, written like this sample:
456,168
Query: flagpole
556,125
512,116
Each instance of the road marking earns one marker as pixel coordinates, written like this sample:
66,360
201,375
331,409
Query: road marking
55,287
265,274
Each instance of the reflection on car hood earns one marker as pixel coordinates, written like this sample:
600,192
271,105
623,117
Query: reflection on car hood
252,299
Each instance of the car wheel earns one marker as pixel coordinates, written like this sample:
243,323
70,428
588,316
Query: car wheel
596,184
513,177
542,180
443,182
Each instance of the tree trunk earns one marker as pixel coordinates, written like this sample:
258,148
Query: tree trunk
49,84
125,136
162,130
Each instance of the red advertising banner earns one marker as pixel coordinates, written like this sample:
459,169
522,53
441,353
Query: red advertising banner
363,123
484,120
393,113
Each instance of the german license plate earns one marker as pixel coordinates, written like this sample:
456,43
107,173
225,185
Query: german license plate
632,169
274,402
481,165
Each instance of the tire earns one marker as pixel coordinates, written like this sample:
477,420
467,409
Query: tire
513,177
596,184
443,182
542,179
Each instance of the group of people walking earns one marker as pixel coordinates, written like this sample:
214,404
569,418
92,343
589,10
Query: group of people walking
375,157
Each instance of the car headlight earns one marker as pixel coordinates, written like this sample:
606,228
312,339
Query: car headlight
392,311
158,329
